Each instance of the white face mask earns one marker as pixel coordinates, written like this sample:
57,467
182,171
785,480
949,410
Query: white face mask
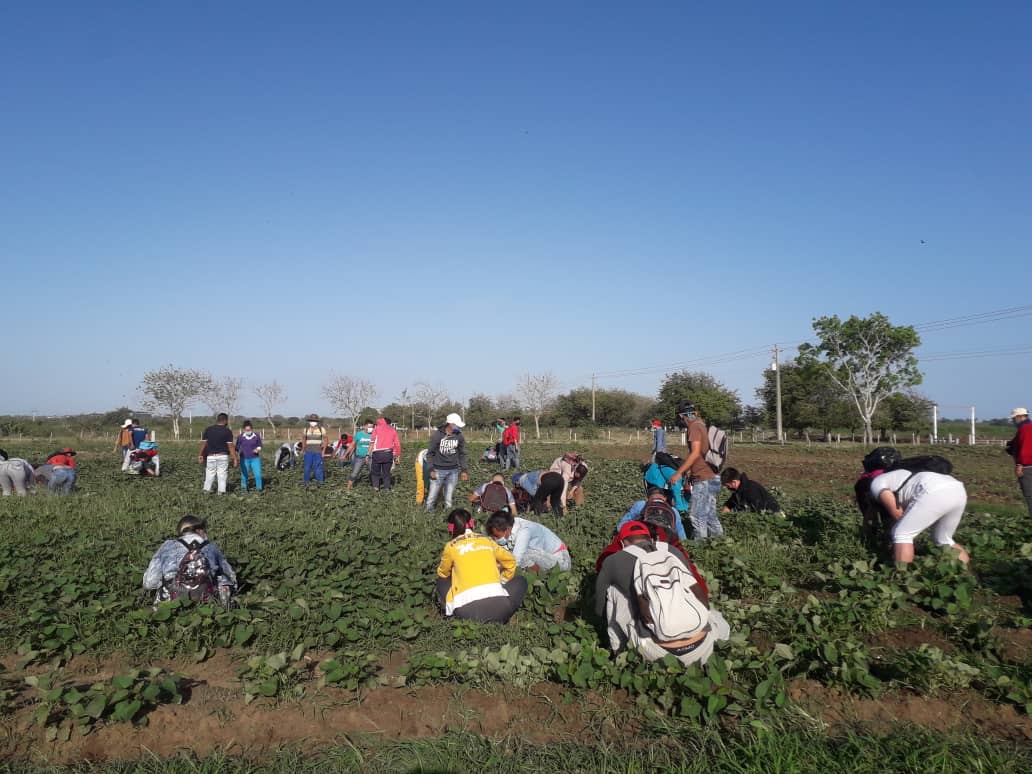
312,424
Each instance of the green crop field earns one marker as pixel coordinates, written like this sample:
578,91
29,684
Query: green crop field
335,657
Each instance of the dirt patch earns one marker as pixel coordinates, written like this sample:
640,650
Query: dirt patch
1015,644
965,711
910,638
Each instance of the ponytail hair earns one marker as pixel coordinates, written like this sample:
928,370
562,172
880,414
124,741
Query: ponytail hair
458,521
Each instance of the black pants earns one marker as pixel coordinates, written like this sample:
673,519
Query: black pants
490,610
380,463
550,488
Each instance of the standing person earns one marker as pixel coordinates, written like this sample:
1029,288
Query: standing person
658,438
702,511
917,501
140,434
316,442
1020,448
384,451
124,442
216,453
359,451
16,475
249,447
447,460
511,445
476,577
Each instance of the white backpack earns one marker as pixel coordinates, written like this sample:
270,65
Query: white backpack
666,602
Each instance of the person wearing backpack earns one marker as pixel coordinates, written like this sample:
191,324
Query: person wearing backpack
316,442
493,496
918,501
189,566
446,459
655,499
534,546
653,603
476,577
705,482
655,474
746,494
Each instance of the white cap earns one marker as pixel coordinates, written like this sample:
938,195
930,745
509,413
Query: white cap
127,423
1019,412
454,419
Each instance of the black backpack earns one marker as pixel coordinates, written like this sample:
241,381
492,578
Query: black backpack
665,460
925,463
494,498
194,579
882,458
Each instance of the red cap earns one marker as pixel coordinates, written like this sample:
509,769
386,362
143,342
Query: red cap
632,529
656,423
68,451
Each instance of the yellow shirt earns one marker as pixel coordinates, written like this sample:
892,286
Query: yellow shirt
472,561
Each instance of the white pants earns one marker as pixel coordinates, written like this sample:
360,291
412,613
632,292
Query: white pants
624,633
942,506
15,477
125,459
216,465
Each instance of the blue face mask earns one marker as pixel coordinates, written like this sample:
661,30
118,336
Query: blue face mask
504,543
456,430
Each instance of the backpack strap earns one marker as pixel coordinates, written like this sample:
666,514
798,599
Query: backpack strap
905,482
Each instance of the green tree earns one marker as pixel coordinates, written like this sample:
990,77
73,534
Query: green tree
809,399
904,411
480,411
613,408
717,403
867,358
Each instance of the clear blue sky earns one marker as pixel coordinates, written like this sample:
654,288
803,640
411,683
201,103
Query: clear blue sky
463,192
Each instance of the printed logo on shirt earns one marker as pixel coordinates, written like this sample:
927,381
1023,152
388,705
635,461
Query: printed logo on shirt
449,445
469,547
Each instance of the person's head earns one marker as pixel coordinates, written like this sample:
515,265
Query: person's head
387,421
127,424
656,424
499,525
516,478
686,412
579,472
222,419
368,425
498,477
658,493
248,426
4,456
500,421
135,422
313,420
458,521
516,420
634,532
731,478
191,523
1019,415
453,423
67,451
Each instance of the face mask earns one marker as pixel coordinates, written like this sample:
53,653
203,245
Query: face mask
456,431
504,543
312,424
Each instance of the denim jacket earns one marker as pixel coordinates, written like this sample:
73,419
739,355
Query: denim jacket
165,563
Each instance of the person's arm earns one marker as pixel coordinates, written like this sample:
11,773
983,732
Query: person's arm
693,454
1016,445
512,502
227,577
153,577
506,561
444,568
522,544
463,475
887,498
203,451
325,442
234,460
396,447
602,583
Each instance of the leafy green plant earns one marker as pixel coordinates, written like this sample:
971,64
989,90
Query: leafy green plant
275,676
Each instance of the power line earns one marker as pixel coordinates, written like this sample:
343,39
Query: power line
965,355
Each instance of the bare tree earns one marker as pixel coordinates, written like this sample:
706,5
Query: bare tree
349,396
271,394
174,390
538,393
432,397
224,395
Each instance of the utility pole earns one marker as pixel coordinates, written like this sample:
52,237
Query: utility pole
972,425
593,397
935,423
777,390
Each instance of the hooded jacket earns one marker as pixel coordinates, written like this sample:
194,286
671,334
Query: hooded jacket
385,437
447,452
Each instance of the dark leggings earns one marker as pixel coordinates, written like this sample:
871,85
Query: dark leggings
490,610
381,463
550,488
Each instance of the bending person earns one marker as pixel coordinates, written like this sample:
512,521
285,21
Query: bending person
918,501
534,546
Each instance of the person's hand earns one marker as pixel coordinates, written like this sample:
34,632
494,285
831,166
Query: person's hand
1018,470
433,474
725,510
200,458
463,476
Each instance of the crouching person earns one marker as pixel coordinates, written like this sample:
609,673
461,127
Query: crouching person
59,479
533,545
476,579
16,475
653,604
189,566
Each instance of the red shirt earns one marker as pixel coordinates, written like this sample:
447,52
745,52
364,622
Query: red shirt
511,435
1021,446
61,459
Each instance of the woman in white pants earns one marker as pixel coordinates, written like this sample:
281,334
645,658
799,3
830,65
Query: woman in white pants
917,501
16,476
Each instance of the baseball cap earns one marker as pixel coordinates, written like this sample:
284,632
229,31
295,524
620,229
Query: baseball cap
633,529
68,451
127,423
454,419
1019,412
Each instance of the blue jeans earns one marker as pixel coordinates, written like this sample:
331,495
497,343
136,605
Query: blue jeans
447,480
313,467
62,481
249,468
703,511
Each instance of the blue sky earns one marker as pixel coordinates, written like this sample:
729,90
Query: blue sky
461,193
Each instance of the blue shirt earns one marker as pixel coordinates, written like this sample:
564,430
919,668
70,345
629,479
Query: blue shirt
362,441
139,436
635,511
659,440
530,536
529,482
657,475
165,563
